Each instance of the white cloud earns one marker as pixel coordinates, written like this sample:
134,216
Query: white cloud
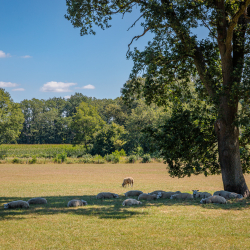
7,85
27,56
57,87
67,97
18,89
3,54
88,87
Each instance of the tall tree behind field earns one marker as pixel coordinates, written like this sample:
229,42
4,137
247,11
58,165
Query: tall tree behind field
49,121
85,123
74,101
114,111
100,105
60,124
45,122
141,118
108,139
31,110
11,118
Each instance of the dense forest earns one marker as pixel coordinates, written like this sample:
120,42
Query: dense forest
101,125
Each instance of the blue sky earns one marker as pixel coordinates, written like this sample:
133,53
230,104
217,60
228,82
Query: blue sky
42,55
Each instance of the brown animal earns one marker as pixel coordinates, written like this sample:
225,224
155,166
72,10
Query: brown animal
128,181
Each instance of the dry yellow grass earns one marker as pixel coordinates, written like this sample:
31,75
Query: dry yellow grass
162,224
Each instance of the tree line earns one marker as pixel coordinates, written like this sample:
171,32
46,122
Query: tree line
101,125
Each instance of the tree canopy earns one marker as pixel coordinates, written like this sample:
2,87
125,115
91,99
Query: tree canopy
108,139
86,122
11,118
218,65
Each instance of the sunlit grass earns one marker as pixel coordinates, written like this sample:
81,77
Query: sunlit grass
161,224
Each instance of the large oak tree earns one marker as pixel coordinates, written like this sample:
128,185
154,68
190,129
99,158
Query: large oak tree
218,65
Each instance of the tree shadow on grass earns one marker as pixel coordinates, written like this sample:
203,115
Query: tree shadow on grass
104,209
234,204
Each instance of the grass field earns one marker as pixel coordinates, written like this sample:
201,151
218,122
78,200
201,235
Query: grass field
63,153
40,150
161,224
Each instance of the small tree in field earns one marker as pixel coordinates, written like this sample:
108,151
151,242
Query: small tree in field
219,65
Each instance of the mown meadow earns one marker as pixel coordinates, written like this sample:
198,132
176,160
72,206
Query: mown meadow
161,224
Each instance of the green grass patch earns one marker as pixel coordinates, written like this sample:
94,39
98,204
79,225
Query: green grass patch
62,153
106,224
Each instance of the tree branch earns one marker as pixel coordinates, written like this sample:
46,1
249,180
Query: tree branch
122,8
192,48
208,28
221,26
229,37
135,21
137,37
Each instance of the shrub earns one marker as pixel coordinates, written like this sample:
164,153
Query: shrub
33,160
86,159
98,159
138,151
56,160
120,153
109,158
62,157
15,160
146,158
159,159
132,159
116,159
25,156
3,154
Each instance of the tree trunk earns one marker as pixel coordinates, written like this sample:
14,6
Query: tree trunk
229,154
